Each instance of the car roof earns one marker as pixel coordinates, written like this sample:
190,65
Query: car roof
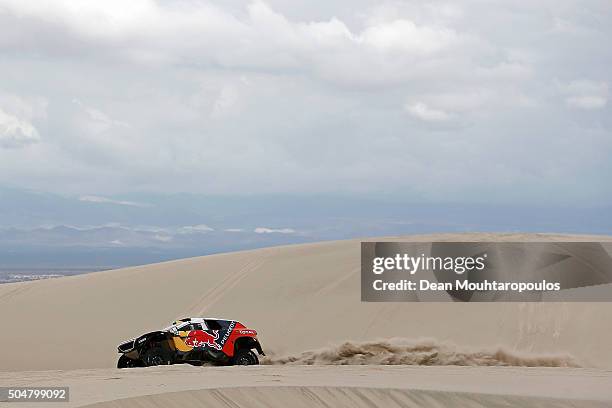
199,319
180,322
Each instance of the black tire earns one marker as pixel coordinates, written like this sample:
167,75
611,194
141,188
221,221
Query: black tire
154,357
126,362
245,357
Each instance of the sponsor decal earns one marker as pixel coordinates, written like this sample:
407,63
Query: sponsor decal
229,331
201,338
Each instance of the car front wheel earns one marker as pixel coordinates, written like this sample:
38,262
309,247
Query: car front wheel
126,362
154,357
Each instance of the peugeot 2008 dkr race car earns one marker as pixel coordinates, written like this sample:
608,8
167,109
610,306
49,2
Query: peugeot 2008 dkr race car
193,340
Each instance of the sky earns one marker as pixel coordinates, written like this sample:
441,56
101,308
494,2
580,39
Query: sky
469,101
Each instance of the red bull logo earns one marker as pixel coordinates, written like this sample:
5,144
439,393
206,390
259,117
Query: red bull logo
200,338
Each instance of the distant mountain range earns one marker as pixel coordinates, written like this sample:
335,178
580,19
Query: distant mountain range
43,229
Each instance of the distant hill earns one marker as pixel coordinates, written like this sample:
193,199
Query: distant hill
43,229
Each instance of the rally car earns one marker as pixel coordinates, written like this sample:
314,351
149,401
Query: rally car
193,340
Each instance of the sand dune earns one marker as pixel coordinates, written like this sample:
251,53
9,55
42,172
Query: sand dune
348,397
326,386
299,298
305,302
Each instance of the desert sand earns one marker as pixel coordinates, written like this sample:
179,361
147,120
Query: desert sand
304,300
325,386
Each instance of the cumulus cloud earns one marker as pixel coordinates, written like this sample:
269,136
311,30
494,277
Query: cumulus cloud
163,238
15,132
586,94
195,229
261,38
227,99
405,36
99,119
421,111
264,230
105,200
233,97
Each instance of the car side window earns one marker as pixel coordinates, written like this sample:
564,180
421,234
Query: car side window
213,325
187,327
196,326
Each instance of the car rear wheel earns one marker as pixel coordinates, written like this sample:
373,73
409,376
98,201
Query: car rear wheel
154,357
245,357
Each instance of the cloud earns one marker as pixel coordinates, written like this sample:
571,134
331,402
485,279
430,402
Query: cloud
309,97
264,230
163,238
423,112
99,119
16,133
586,94
258,38
228,98
233,230
195,229
587,101
105,200
405,36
